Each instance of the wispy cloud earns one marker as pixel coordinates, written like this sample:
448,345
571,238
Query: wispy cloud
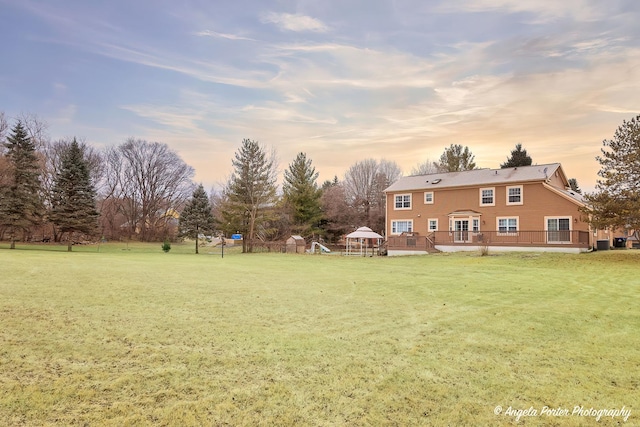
215,34
65,115
384,81
543,11
290,22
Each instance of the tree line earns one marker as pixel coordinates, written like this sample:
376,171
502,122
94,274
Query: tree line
139,190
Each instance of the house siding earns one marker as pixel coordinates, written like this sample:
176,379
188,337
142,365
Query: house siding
538,202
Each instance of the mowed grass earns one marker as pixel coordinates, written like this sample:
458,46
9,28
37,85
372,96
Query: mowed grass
139,337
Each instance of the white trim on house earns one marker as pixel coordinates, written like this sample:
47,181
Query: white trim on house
559,236
392,252
429,193
465,248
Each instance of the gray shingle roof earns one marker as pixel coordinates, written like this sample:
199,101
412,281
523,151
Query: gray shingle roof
474,177
572,194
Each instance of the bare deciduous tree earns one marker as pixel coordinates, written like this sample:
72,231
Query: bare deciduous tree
425,168
364,185
146,183
4,164
36,129
339,217
4,127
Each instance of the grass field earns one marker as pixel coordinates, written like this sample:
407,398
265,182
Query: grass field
133,336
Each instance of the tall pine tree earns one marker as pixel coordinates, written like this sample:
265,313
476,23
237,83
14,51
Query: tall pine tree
616,201
74,196
302,195
197,217
20,202
250,194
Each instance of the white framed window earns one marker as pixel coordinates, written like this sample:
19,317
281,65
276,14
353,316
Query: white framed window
514,195
433,224
402,201
475,225
487,197
558,229
507,225
428,197
401,226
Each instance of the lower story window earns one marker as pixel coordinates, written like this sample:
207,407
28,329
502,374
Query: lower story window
433,225
507,225
399,227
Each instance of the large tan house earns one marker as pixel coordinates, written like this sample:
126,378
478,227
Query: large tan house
527,208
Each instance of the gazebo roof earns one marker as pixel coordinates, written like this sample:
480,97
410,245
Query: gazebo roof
364,233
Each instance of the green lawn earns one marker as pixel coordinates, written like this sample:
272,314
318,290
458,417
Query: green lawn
128,335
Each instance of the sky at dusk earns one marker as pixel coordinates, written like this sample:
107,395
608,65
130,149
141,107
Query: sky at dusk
339,80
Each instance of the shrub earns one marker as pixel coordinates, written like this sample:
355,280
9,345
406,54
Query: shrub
166,246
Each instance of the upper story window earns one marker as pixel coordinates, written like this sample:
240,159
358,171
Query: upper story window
487,197
402,201
514,195
428,197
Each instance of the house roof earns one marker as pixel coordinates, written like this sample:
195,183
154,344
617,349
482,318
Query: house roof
475,177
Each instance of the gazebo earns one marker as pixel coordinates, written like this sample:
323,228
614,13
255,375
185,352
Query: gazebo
359,241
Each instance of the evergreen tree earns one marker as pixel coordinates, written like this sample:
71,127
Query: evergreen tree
616,201
456,158
302,195
20,202
519,157
330,183
250,194
74,196
573,184
197,217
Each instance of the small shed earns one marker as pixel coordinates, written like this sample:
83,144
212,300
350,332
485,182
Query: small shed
361,240
295,245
